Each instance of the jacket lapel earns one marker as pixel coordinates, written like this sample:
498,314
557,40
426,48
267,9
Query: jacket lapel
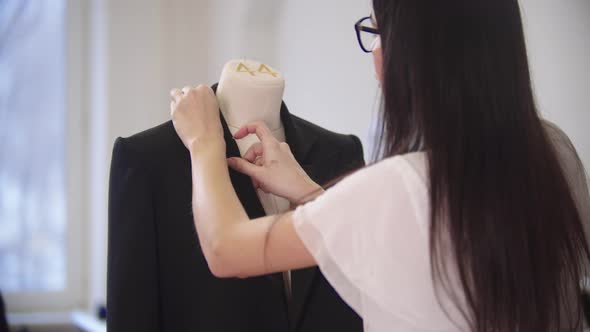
242,183
301,280
300,144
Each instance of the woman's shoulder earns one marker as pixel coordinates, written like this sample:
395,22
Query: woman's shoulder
413,165
401,178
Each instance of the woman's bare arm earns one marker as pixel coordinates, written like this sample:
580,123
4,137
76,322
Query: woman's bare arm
234,245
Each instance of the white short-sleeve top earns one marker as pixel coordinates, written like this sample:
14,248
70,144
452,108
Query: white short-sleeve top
369,235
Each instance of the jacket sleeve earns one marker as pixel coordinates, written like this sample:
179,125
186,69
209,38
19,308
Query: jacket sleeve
3,322
132,285
355,155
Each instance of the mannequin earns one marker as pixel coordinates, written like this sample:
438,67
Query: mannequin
250,91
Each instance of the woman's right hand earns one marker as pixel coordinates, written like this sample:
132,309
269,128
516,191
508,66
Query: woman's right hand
272,166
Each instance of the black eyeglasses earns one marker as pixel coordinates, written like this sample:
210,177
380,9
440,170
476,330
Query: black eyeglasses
366,33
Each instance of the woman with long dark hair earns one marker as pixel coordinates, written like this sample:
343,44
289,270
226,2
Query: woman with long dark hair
474,218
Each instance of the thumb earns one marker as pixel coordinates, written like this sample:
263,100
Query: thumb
243,166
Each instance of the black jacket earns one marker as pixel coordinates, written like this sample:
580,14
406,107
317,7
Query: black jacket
158,279
3,322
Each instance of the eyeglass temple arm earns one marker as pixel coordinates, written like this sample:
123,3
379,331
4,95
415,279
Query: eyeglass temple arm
367,29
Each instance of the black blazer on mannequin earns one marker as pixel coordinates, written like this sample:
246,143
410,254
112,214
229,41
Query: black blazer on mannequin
3,321
158,279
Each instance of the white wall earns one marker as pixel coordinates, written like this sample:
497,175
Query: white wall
329,79
243,29
558,37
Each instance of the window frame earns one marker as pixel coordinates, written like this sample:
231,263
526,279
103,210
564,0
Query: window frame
75,293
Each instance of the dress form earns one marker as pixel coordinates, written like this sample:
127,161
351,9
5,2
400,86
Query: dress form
250,91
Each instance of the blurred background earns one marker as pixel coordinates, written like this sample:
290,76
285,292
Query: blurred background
76,74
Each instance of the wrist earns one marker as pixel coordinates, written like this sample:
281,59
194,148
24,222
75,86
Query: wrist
203,148
309,191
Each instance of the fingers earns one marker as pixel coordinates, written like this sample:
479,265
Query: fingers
206,90
258,161
176,95
172,106
259,128
243,166
255,183
203,88
253,152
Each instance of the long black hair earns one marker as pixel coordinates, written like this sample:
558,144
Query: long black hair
456,84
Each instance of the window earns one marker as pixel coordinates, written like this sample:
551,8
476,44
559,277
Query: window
34,152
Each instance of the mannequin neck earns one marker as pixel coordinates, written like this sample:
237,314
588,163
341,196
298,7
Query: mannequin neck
246,94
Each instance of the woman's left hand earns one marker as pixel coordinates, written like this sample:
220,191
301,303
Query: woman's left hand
195,115
272,166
